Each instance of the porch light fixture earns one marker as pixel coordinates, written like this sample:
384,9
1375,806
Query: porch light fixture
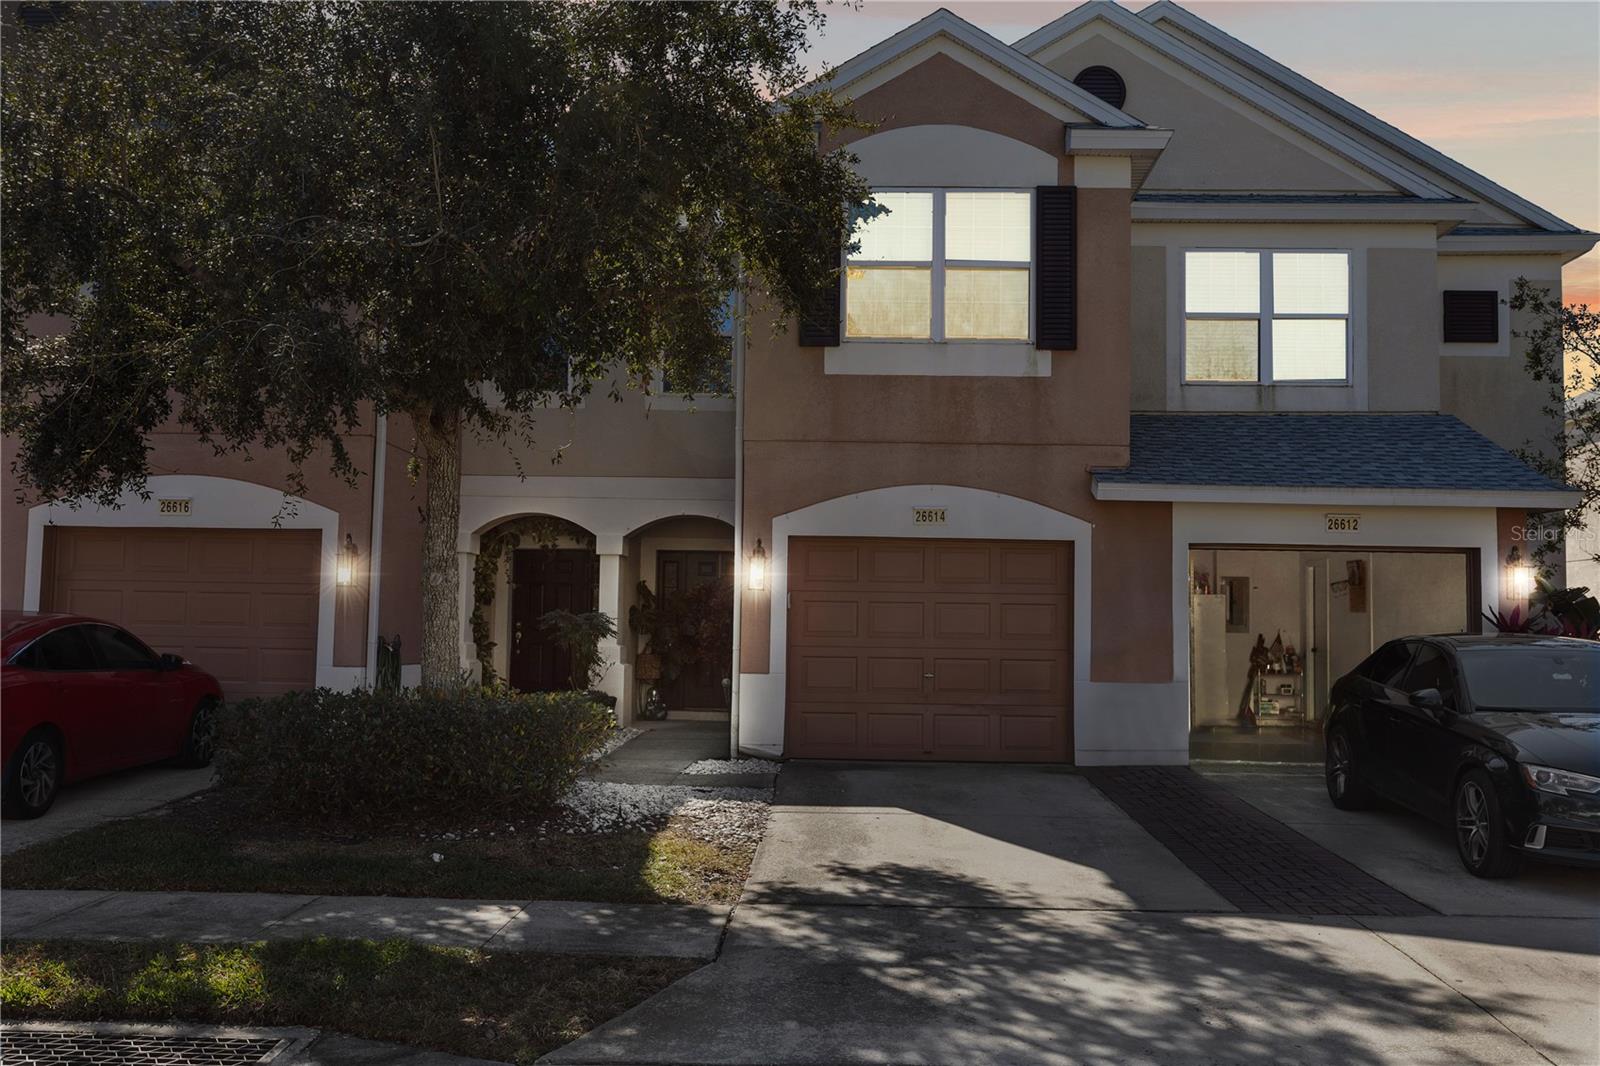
756,573
344,571
1519,580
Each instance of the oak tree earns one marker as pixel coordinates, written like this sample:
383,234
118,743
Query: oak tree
265,222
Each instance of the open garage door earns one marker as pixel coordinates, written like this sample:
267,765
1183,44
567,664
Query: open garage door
241,604
929,649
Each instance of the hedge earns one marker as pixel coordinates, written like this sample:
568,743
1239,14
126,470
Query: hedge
382,756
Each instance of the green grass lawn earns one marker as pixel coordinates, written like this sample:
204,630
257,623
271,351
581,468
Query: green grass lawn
199,847
509,1006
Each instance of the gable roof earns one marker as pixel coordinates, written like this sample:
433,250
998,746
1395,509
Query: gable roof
1396,139
946,25
1309,458
1250,92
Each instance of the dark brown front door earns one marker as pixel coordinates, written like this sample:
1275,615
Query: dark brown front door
547,579
678,572
930,649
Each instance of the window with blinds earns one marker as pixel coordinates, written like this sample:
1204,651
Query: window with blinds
1260,317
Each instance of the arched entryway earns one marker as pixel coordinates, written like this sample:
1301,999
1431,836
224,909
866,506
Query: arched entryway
680,614
526,567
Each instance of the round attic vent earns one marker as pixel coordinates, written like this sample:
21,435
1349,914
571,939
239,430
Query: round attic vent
1103,82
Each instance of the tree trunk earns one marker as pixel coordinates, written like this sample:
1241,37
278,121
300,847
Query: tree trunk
439,438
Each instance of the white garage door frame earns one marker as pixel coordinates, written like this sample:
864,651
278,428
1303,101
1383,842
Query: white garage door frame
216,503
970,514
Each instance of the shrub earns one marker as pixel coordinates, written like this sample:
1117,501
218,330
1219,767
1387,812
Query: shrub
375,757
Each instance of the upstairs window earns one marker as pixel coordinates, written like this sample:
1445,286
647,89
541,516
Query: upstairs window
715,380
1265,317
942,265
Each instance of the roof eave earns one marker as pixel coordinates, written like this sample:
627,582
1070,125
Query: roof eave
1442,214
1567,245
1337,495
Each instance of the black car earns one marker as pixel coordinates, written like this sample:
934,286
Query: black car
1497,736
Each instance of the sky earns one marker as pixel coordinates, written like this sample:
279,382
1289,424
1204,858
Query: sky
1510,89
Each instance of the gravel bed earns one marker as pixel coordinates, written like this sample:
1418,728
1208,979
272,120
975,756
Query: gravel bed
733,766
718,815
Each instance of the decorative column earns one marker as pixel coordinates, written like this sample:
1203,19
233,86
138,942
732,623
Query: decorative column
615,682
466,567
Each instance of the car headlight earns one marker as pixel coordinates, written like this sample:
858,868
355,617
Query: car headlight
1560,782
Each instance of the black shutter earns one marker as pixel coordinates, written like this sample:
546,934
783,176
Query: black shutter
1471,316
1055,323
819,324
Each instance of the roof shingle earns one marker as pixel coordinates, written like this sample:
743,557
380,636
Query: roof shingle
1380,451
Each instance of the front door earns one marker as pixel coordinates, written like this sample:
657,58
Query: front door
547,579
678,572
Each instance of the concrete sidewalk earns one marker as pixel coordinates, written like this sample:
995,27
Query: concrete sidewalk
689,932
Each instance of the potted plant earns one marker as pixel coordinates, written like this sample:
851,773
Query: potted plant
579,635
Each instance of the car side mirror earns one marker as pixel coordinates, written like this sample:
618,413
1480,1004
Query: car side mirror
1431,698
170,661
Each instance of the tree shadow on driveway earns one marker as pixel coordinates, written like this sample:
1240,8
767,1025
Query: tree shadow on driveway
992,981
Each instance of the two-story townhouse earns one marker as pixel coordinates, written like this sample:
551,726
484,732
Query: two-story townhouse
1168,388
1133,429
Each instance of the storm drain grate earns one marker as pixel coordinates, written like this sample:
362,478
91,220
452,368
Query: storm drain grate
1251,859
48,1047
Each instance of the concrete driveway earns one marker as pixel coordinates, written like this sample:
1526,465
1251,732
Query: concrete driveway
954,914
104,799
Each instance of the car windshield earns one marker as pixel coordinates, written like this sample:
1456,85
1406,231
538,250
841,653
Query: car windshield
1533,677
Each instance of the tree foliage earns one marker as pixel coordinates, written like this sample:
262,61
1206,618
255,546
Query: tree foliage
265,221
1562,351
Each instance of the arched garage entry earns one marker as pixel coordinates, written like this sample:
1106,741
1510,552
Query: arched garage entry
873,592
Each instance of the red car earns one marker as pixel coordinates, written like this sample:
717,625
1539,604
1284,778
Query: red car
80,697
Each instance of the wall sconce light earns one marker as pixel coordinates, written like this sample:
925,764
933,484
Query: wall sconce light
344,571
756,573
1519,580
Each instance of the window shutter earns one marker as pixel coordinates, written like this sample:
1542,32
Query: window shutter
1471,316
819,324
1055,323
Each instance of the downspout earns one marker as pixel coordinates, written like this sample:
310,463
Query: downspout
738,520
380,461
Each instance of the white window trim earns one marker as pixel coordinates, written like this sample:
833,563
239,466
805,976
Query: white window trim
936,270
1264,316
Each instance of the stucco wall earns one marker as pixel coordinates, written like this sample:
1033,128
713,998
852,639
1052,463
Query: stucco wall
1403,314
812,436
1148,318
1220,142
636,436
1488,386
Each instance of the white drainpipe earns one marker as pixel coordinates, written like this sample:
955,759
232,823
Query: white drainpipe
380,457
738,520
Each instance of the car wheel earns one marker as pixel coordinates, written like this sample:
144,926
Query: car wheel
1347,791
201,743
1481,831
34,777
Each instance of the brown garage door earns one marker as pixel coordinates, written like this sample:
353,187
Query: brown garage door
241,604
929,649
